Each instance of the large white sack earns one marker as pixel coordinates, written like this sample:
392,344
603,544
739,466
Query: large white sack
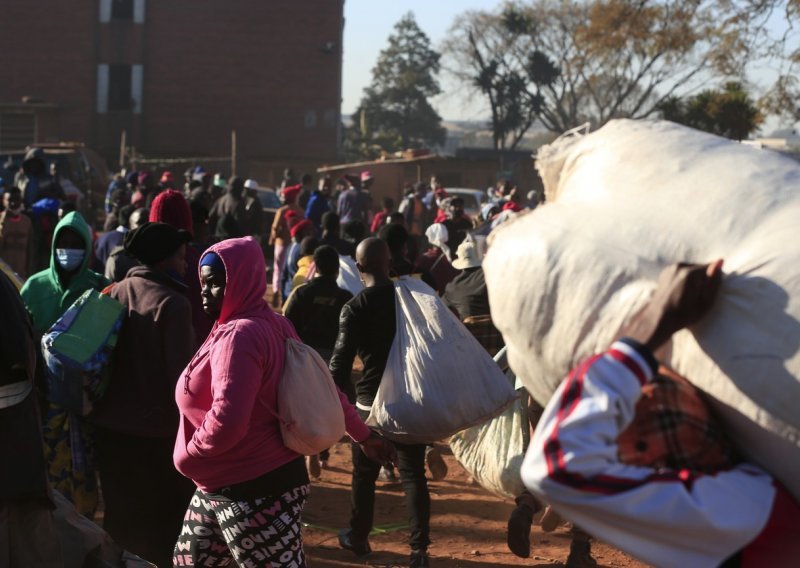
626,201
349,278
438,379
492,452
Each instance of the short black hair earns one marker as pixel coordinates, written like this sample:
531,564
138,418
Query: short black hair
199,212
124,215
308,245
306,179
330,222
395,236
326,259
355,231
388,203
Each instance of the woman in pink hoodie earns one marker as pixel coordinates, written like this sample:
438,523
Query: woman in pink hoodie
250,486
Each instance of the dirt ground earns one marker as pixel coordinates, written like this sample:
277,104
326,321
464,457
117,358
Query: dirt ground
468,525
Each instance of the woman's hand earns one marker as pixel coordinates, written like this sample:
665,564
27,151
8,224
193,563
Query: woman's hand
379,449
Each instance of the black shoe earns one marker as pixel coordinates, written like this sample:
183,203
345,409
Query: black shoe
518,536
419,559
357,548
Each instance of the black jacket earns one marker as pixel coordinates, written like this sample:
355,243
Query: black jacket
367,327
314,310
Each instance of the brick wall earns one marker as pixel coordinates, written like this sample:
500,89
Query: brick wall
210,66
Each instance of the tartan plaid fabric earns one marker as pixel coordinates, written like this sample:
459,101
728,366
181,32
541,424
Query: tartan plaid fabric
482,328
675,428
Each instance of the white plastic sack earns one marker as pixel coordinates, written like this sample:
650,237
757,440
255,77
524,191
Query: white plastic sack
492,452
309,408
349,278
623,203
438,379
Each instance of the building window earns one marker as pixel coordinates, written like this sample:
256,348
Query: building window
122,10
119,88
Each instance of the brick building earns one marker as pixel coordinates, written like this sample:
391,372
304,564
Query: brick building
178,76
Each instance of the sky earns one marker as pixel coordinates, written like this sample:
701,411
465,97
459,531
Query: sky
367,26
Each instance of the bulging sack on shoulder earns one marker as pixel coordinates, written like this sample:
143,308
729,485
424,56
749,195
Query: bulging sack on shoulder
349,278
438,379
77,351
309,408
623,203
492,452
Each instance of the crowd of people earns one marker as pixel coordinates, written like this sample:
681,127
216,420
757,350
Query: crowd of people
185,440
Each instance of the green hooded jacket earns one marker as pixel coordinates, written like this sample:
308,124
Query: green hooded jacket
44,296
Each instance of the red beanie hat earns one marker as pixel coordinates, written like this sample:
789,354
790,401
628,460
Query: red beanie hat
290,193
299,227
172,208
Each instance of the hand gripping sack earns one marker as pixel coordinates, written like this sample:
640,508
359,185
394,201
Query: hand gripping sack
77,350
623,203
492,452
438,379
309,408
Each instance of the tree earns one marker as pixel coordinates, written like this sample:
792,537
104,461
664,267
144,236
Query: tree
395,112
575,61
729,112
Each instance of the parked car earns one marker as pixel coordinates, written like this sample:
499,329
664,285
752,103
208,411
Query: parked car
473,199
84,169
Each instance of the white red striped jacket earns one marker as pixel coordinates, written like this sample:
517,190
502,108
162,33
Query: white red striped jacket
664,517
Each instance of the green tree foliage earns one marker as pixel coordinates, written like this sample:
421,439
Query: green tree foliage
395,112
728,112
574,61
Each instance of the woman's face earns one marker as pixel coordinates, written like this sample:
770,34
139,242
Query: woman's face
212,290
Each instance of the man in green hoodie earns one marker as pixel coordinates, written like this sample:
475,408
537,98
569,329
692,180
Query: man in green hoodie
47,295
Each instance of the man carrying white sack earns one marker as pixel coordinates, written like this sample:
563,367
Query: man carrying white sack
667,517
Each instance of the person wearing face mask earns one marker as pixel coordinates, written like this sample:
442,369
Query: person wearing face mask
47,295
137,419
16,232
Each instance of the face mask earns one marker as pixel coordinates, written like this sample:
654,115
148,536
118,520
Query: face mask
70,259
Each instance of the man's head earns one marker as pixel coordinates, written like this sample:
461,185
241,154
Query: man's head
420,189
397,218
324,184
159,246
308,245
12,199
354,231
455,209
70,249
138,218
330,223
306,180
373,258
387,203
66,208
236,186
124,216
326,259
396,238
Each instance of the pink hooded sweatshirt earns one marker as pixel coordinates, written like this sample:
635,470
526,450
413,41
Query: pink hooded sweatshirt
229,432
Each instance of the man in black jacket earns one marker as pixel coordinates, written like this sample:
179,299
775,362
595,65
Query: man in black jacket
367,328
